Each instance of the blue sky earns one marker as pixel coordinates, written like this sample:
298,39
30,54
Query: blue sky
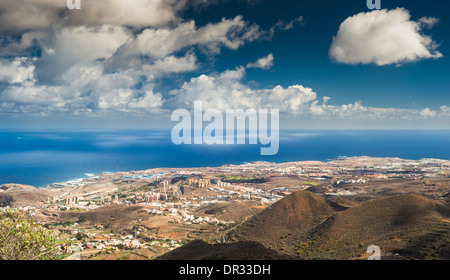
302,54
324,64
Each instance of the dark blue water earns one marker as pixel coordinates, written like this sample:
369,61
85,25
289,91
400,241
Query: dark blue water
42,158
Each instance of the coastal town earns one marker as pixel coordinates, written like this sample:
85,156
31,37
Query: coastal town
143,214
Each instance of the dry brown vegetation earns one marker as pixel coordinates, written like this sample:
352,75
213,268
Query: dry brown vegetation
242,250
231,211
305,225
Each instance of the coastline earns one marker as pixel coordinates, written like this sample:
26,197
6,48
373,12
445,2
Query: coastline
73,182
41,159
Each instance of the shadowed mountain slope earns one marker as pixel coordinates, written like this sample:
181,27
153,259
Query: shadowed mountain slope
289,217
242,250
306,226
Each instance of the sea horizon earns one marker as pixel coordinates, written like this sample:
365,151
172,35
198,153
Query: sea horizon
43,158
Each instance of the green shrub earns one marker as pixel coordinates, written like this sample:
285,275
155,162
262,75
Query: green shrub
22,239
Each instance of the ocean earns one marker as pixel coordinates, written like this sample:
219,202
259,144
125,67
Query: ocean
43,158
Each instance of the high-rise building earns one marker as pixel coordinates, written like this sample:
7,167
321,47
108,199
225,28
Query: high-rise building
203,183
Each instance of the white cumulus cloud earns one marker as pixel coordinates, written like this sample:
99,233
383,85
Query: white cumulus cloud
263,63
26,15
160,42
227,91
383,37
18,70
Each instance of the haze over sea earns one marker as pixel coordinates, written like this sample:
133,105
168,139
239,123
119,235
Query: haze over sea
42,158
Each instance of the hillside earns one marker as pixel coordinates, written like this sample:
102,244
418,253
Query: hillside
16,195
290,217
114,217
230,211
6,200
304,225
408,225
242,250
